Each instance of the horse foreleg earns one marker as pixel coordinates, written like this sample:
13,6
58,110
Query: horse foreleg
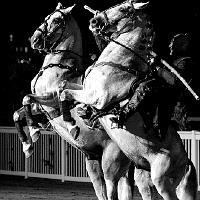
17,117
29,100
66,98
97,98
34,131
70,122
96,176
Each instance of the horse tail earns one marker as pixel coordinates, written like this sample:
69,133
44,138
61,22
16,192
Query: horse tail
188,188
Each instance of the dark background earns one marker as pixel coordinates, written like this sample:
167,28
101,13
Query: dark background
169,16
21,18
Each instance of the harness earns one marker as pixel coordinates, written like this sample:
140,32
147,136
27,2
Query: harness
140,76
72,70
75,73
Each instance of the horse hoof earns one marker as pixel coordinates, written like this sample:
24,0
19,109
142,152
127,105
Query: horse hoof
35,136
75,132
28,150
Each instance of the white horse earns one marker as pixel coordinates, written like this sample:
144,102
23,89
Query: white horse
122,64
60,37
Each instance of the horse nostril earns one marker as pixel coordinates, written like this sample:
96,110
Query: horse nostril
93,21
35,39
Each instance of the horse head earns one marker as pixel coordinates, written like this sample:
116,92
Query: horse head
51,32
123,18
108,20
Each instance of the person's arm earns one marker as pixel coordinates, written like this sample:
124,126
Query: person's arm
166,75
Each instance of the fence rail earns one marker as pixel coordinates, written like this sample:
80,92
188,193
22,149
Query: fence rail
54,158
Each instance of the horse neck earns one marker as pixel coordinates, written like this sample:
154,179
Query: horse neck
69,51
138,40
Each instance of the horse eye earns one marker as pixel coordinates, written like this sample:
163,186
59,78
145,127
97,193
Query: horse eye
57,20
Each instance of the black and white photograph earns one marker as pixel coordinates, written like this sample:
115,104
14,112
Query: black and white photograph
100,100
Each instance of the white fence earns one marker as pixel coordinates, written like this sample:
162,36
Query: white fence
54,158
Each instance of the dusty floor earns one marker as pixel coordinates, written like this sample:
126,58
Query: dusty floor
18,188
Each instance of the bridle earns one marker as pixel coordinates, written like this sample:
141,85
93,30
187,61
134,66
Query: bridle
102,30
48,35
108,23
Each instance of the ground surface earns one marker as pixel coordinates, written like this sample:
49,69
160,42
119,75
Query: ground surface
18,188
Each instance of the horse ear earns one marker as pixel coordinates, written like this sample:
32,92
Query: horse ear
140,5
59,6
70,8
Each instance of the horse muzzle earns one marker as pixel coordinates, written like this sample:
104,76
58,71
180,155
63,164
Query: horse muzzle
97,24
37,41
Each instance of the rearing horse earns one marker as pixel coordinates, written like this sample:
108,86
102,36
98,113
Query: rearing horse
122,63
60,37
